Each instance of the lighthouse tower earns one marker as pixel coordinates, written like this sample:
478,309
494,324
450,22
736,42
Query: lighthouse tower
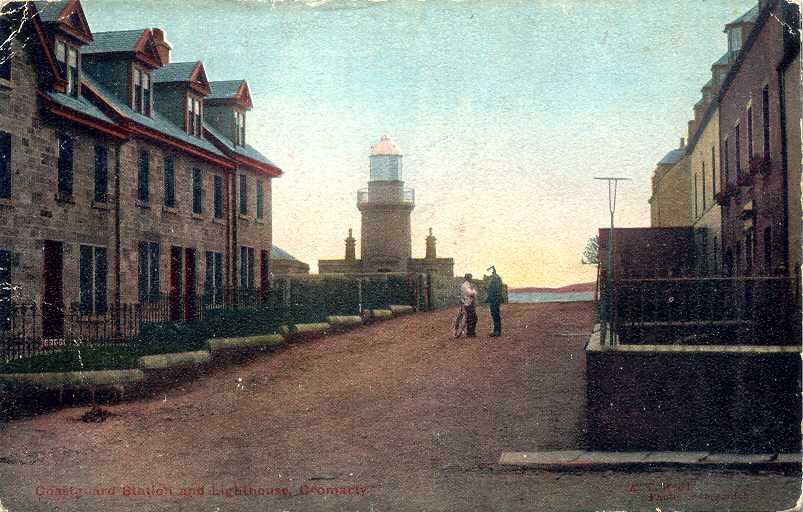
386,242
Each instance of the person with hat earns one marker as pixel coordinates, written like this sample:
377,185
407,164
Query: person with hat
495,299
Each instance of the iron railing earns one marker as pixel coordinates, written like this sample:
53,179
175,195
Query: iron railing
26,329
694,311
365,195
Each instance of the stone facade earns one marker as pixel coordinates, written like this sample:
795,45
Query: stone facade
48,235
706,212
669,202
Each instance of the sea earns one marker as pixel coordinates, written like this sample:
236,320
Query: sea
550,296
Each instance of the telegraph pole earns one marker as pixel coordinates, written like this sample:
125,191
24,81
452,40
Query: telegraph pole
607,311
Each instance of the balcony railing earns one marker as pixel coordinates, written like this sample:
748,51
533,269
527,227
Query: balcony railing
406,196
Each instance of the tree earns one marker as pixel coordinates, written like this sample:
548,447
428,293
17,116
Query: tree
591,252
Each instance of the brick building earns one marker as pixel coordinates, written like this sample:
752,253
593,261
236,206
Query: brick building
120,179
758,198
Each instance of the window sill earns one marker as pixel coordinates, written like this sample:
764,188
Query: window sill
101,205
64,199
259,221
170,210
6,84
244,217
142,204
197,216
6,202
219,220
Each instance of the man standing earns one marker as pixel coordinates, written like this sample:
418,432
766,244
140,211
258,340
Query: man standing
469,300
495,298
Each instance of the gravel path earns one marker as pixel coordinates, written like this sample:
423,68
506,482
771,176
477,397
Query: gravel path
392,417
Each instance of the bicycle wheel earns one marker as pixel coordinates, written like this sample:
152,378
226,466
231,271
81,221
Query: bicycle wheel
459,324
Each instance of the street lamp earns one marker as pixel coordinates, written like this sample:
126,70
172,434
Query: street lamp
607,313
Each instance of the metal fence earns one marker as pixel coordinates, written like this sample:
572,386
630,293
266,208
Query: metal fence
740,310
27,328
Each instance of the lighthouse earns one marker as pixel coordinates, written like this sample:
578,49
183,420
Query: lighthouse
386,205
385,235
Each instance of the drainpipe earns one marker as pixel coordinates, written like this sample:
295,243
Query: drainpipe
784,169
117,242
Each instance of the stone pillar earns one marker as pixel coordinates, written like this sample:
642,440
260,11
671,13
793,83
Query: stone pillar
351,252
431,254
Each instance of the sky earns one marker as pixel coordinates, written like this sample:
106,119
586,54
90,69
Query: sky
505,111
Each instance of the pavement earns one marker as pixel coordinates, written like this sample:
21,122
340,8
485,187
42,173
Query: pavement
579,460
396,416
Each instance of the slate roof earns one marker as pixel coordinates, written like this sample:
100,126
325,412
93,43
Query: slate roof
81,105
156,122
246,150
673,157
749,17
174,72
279,253
49,11
722,61
223,89
117,41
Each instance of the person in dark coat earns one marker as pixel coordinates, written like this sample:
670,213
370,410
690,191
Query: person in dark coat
495,298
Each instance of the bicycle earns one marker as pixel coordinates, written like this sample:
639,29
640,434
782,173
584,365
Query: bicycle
459,326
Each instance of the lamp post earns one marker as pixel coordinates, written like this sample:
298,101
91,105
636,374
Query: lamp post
607,310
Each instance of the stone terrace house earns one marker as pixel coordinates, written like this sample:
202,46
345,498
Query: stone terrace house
115,185
759,191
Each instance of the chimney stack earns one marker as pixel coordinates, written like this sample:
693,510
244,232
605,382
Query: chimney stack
162,46
682,143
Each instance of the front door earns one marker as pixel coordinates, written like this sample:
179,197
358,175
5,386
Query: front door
175,283
189,284
53,294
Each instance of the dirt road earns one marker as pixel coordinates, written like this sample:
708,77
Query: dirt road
392,417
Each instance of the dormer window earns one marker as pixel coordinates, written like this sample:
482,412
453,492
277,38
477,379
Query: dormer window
239,128
67,57
141,100
734,41
194,116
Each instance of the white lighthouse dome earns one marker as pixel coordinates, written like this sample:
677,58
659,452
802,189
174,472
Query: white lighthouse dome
385,147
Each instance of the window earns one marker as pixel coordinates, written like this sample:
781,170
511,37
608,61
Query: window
148,272
5,165
142,99
726,159
749,133
768,250
765,114
92,280
137,100
67,57
143,192
146,94
65,166
247,257
734,41
101,174
197,191
239,128
6,51
713,170
738,149
260,200
218,193
197,112
213,289
702,176
170,182
194,116
243,194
